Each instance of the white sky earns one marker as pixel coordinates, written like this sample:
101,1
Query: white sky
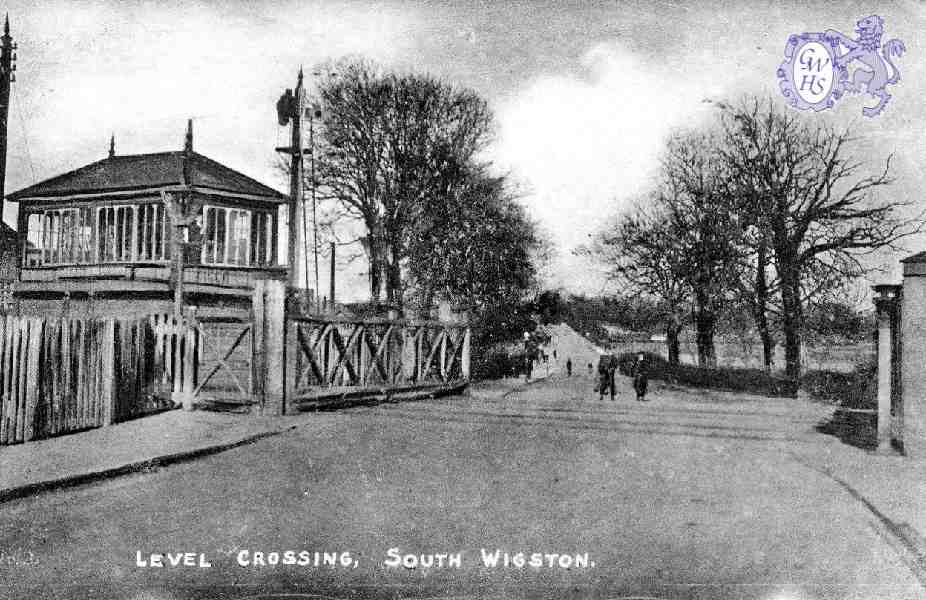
584,96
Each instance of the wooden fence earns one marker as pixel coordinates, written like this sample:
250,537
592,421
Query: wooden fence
68,374
335,357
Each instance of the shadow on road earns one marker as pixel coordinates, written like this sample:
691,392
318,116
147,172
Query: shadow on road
852,428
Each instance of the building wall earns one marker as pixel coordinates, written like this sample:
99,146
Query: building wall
913,358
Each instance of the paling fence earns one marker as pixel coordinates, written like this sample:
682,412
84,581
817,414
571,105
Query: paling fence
59,375
65,374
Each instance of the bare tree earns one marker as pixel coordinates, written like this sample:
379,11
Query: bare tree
814,205
644,258
704,223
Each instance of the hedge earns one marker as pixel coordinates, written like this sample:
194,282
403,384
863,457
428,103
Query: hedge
753,381
497,364
850,390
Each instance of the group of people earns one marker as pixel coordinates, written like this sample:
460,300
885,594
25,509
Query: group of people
607,365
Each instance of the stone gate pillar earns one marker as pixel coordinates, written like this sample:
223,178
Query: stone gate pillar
887,306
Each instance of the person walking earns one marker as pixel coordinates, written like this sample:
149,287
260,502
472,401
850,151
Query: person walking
606,367
640,377
568,367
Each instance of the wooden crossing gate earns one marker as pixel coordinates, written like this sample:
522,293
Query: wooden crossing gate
332,358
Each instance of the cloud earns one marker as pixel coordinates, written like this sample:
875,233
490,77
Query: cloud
587,143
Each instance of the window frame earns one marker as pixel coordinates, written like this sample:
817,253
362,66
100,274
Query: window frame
234,236
82,241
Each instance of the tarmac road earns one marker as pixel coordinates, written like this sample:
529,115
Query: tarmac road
690,495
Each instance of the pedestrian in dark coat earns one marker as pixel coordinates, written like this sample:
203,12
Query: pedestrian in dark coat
606,367
640,377
568,367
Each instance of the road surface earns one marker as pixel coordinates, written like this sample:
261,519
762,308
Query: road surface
690,495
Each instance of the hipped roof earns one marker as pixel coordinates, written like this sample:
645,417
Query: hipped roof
142,171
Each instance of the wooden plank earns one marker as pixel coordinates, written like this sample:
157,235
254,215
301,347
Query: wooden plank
464,355
344,350
80,353
258,356
9,386
9,359
66,392
5,372
33,374
97,373
48,375
443,354
107,372
305,349
376,359
89,356
190,355
23,378
15,382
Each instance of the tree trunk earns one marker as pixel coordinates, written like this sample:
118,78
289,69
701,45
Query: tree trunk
394,274
374,254
672,330
760,307
768,346
705,323
792,322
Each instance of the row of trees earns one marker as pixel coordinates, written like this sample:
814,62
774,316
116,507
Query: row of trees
399,156
762,210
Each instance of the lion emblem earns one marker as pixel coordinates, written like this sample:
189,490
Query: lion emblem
865,49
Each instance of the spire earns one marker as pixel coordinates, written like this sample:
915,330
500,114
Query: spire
300,77
6,25
112,146
188,143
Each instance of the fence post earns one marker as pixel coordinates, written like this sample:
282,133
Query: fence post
443,352
189,364
108,375
464,358
277,374
885,305
258,361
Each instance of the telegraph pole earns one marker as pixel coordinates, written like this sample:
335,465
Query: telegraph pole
7,76
291,107
312,117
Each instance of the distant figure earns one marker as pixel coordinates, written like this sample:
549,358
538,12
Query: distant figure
531,352
606,367
589,369
554,354
568,367
640,377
